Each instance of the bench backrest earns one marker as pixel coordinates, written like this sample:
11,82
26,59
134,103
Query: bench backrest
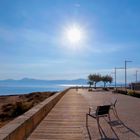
103,110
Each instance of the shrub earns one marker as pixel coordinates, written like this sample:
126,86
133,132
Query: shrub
27,101
21,107
137,95
131,92
4,116
122,91
15,109
7,107
106,89
90,89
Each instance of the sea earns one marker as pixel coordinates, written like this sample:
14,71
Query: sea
15,90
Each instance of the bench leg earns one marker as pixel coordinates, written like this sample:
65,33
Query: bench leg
86,119
99,127
109,117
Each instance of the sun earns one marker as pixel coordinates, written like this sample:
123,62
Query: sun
74,34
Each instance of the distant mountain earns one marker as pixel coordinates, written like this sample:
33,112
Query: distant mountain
28,81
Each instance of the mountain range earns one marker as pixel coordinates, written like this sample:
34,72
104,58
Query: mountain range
28,81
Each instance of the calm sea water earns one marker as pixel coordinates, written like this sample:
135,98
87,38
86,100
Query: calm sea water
25,89
12,90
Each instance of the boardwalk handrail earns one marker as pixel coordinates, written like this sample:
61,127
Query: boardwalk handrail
21,127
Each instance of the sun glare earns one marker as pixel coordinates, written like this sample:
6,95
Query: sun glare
74,34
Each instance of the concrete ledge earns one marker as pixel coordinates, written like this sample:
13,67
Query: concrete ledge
21,127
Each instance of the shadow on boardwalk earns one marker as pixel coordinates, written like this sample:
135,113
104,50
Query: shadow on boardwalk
114,125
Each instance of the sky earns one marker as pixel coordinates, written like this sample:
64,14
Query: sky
34,44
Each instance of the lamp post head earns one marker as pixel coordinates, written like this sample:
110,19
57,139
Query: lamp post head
127,61
119,68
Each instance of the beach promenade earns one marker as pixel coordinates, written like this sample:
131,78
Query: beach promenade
67,120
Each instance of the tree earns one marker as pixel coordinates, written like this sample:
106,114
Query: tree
107,79
90,82
96,78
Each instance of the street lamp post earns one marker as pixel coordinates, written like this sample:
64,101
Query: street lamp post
126,61
136,75
113,74
115,78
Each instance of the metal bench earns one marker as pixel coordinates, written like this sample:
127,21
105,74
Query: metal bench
101,111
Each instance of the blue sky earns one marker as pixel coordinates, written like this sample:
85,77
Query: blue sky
33,43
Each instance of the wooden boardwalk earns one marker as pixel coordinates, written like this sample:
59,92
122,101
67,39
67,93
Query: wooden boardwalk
66,121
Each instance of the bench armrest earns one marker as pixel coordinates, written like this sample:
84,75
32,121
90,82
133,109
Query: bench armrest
92,109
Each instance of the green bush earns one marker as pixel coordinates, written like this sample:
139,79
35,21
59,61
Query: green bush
131,92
